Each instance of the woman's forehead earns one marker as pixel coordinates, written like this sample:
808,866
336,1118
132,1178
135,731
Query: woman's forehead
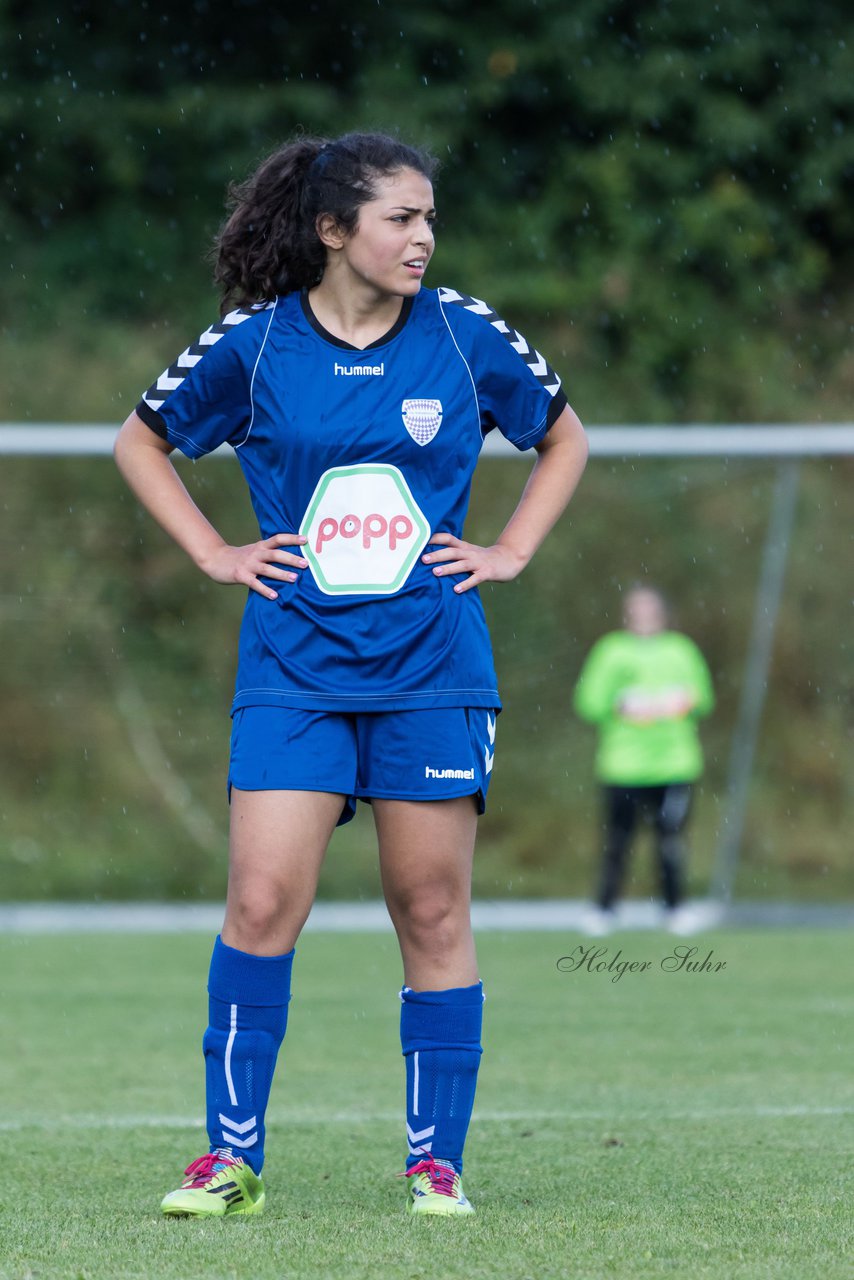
406,188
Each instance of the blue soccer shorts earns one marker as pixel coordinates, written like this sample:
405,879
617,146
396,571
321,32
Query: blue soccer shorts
436,754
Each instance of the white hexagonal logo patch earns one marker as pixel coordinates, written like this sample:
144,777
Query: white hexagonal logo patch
365,530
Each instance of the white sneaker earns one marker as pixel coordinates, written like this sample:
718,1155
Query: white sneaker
693,917
596,922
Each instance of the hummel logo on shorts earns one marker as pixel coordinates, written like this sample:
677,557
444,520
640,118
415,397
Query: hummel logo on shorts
447,773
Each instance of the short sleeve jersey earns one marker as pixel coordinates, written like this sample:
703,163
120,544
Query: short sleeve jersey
367,453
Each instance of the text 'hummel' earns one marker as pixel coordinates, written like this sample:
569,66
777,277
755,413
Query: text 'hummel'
447,773
359,370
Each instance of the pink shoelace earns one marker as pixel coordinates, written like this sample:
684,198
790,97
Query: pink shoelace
441,1176
200,1170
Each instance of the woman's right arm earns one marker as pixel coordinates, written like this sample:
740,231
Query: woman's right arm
143,459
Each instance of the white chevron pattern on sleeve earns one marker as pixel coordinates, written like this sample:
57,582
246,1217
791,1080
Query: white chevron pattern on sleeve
172,377
536,363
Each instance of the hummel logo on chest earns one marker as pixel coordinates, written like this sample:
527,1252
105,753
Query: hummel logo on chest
359,370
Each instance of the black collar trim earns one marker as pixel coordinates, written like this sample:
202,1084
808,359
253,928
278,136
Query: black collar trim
318,328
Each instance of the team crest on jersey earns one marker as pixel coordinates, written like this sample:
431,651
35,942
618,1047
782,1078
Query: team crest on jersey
422,419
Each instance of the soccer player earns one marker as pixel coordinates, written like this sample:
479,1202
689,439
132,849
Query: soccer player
645,688
356,401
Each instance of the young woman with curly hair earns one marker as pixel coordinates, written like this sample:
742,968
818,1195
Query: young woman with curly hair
357,401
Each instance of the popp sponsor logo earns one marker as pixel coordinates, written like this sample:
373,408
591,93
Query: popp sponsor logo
373,526
365,530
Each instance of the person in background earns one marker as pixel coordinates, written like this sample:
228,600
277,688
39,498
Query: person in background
645,688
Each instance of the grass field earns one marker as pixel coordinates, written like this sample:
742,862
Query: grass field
666,1124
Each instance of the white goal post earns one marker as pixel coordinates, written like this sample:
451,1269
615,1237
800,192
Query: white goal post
786,444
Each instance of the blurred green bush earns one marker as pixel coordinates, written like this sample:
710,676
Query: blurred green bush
658,194
661,192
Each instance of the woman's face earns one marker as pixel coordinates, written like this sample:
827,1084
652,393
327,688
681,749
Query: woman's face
644,613
393,239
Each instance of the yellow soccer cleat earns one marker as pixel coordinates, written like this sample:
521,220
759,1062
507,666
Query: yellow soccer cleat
436,1187
215,1185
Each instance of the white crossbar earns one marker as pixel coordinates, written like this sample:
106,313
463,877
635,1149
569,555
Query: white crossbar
772,440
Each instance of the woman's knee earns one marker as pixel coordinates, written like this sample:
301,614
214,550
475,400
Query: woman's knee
259,914
435,917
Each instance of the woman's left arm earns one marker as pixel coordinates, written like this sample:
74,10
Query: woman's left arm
562,456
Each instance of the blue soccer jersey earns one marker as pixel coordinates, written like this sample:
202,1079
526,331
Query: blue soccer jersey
368,453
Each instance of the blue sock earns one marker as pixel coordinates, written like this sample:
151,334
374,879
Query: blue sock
248,1014
440,1038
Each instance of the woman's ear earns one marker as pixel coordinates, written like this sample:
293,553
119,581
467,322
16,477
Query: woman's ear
329,232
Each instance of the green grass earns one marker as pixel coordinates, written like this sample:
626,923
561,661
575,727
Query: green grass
664,1125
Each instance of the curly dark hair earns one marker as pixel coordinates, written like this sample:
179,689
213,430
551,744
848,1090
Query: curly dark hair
269,244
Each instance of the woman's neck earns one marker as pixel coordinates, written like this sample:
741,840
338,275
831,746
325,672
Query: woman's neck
356,319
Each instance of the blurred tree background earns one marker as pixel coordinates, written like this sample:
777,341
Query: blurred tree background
659,194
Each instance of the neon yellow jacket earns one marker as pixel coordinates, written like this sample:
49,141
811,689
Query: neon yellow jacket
645,694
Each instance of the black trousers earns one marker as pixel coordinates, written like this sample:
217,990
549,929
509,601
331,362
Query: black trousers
666,808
